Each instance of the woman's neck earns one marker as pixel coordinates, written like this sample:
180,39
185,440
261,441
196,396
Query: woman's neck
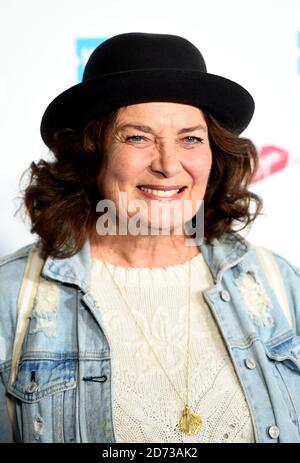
143,251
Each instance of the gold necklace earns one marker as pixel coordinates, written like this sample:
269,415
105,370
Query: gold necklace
190,422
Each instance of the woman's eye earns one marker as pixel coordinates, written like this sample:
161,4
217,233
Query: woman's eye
192,140
135,138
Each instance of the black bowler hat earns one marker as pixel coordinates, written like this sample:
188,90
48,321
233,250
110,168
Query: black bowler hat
138,67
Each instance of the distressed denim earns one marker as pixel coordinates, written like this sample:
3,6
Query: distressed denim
66,344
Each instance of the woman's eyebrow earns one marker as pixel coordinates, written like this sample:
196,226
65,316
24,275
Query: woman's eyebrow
147,129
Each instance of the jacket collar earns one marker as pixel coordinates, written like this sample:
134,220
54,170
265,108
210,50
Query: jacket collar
223,253
74,270
219,255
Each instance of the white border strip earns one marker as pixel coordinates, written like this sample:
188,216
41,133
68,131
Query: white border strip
25,303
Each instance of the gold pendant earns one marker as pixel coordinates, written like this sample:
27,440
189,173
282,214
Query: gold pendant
190,422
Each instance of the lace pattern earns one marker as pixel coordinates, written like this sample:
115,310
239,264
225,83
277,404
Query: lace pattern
145,406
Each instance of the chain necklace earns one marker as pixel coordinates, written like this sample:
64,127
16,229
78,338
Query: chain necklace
190,422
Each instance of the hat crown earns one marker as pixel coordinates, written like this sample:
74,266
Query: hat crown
137,51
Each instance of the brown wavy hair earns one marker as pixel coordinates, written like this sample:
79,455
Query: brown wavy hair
61,194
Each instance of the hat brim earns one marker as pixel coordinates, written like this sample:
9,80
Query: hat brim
230,103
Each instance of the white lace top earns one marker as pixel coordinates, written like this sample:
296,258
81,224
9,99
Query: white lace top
145,407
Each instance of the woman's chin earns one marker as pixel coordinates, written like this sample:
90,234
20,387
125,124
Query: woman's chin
157,227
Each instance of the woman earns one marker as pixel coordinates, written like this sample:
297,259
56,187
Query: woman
130,327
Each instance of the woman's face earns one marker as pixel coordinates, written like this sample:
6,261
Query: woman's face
154,146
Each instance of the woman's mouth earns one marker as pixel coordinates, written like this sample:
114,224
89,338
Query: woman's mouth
157,192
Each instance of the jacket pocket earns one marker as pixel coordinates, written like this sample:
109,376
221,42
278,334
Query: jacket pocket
45,405
285,359
286,352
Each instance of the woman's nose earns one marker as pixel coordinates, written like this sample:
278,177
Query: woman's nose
166,159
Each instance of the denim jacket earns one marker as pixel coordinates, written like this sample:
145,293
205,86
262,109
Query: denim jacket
65,346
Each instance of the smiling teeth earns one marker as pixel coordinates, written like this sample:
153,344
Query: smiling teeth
161,193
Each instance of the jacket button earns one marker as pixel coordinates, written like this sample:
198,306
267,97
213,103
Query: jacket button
31,387
273,432
250,363
225,296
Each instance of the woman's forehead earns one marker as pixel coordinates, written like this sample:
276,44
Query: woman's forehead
160,113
